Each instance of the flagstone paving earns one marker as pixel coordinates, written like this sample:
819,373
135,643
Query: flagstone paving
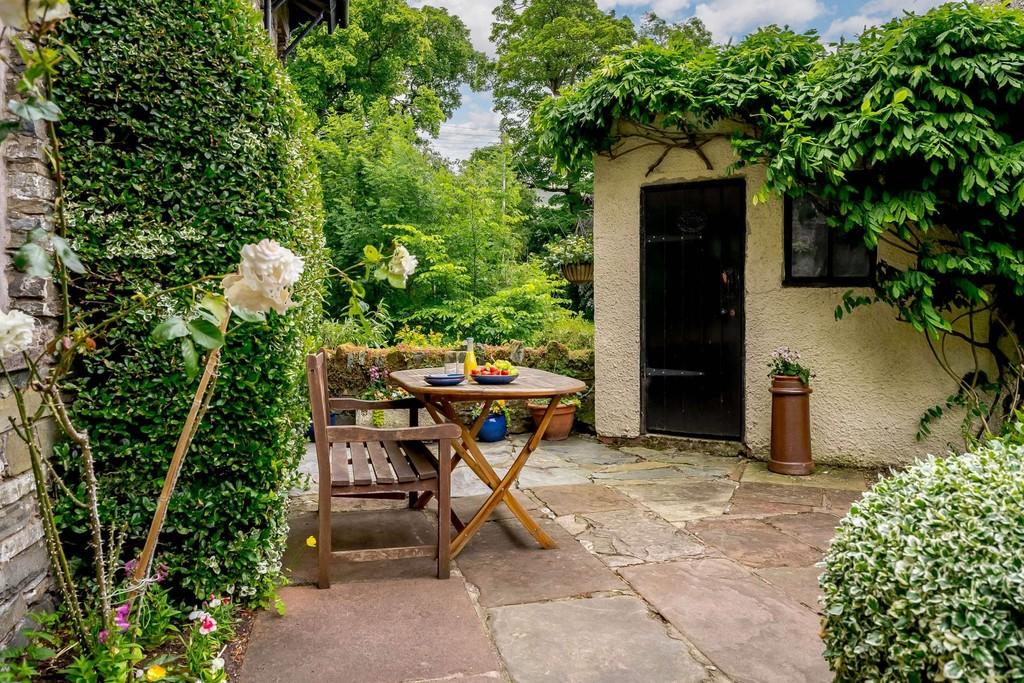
672,565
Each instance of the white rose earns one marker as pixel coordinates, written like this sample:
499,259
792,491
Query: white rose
16,332
398,269
264,278
19,13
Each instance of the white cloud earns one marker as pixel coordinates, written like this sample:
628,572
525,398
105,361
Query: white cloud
474,125
873,13
735,18
476,14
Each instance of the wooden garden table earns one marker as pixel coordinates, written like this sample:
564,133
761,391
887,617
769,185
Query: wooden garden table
440,403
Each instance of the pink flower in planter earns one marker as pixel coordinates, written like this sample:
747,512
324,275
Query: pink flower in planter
208,625
121,617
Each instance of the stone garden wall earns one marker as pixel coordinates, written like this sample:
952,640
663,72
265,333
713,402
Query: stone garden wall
26,201
348,371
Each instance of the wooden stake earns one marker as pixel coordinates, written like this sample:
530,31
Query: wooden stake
188,430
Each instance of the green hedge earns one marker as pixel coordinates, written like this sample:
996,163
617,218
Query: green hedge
925,578
184,141
348,366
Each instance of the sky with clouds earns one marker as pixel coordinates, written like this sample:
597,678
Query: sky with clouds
475,124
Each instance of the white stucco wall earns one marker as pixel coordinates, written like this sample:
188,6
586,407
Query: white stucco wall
875,375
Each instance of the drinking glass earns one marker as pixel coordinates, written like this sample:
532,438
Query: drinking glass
451,363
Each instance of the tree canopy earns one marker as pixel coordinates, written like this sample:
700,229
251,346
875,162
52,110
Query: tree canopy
415,59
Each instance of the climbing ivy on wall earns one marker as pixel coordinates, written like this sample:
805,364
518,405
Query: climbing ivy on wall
911,136
184,141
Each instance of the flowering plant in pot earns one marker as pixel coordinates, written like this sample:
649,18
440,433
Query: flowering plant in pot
791,413
563,419
573,256
495,425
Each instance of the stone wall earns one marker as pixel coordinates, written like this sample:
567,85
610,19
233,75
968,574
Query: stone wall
26,201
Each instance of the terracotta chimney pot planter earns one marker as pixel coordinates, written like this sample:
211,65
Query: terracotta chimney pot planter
791,427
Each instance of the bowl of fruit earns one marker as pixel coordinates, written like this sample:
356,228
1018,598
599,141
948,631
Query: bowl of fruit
499,372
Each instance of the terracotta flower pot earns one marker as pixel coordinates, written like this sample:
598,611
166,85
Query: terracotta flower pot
578,273
791,427
561,422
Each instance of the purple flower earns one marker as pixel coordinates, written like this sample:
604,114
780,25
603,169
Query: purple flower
161,573
121,617
374,373
130,566
102,637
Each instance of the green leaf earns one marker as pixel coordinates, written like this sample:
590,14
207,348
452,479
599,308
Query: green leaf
217,305
66,255
205,333
249,316
171,328
191,358
33,260
371,254
901,95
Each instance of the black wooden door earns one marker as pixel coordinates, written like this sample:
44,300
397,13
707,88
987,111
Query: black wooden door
692,308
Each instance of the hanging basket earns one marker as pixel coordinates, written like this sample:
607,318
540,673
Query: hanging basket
578,273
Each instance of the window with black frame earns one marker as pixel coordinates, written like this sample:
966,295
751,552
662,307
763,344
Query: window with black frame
817,256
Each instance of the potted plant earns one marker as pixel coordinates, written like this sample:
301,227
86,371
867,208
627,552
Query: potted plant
561,422
495,425
573,256
791,413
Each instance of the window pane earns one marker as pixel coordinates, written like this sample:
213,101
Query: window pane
809,245
850,258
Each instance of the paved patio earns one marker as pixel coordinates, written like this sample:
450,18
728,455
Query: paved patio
671,566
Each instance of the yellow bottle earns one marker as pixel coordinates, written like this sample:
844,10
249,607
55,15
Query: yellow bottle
470,362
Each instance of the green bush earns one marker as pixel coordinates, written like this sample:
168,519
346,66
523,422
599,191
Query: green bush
183,142
925,578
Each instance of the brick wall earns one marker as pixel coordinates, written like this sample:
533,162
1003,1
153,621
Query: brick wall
26,202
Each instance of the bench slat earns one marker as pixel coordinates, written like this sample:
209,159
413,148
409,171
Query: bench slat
402,468
421,459
339,465
360,466
379,460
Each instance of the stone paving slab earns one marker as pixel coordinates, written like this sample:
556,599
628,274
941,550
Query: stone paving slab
466,507
363,529
813,528
758,500
584,451
625,537
613,474
370,632
592,640
689,462
752,631
824,477
838,502
754,543
799,583
567,500
508,566
683,500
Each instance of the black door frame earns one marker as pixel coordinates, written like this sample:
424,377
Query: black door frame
642,356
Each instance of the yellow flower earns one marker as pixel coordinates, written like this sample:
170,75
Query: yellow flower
155,673
311,541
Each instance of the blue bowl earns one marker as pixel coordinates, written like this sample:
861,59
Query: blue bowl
494,379
444,380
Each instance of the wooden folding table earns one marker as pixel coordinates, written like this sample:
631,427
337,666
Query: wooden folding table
440,403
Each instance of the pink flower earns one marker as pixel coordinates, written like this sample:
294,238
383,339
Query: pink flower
161,573
130,566
121,617
208,625
102,637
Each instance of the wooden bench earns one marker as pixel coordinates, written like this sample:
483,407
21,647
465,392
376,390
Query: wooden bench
354,461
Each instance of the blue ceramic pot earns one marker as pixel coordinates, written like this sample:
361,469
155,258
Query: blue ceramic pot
494,429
